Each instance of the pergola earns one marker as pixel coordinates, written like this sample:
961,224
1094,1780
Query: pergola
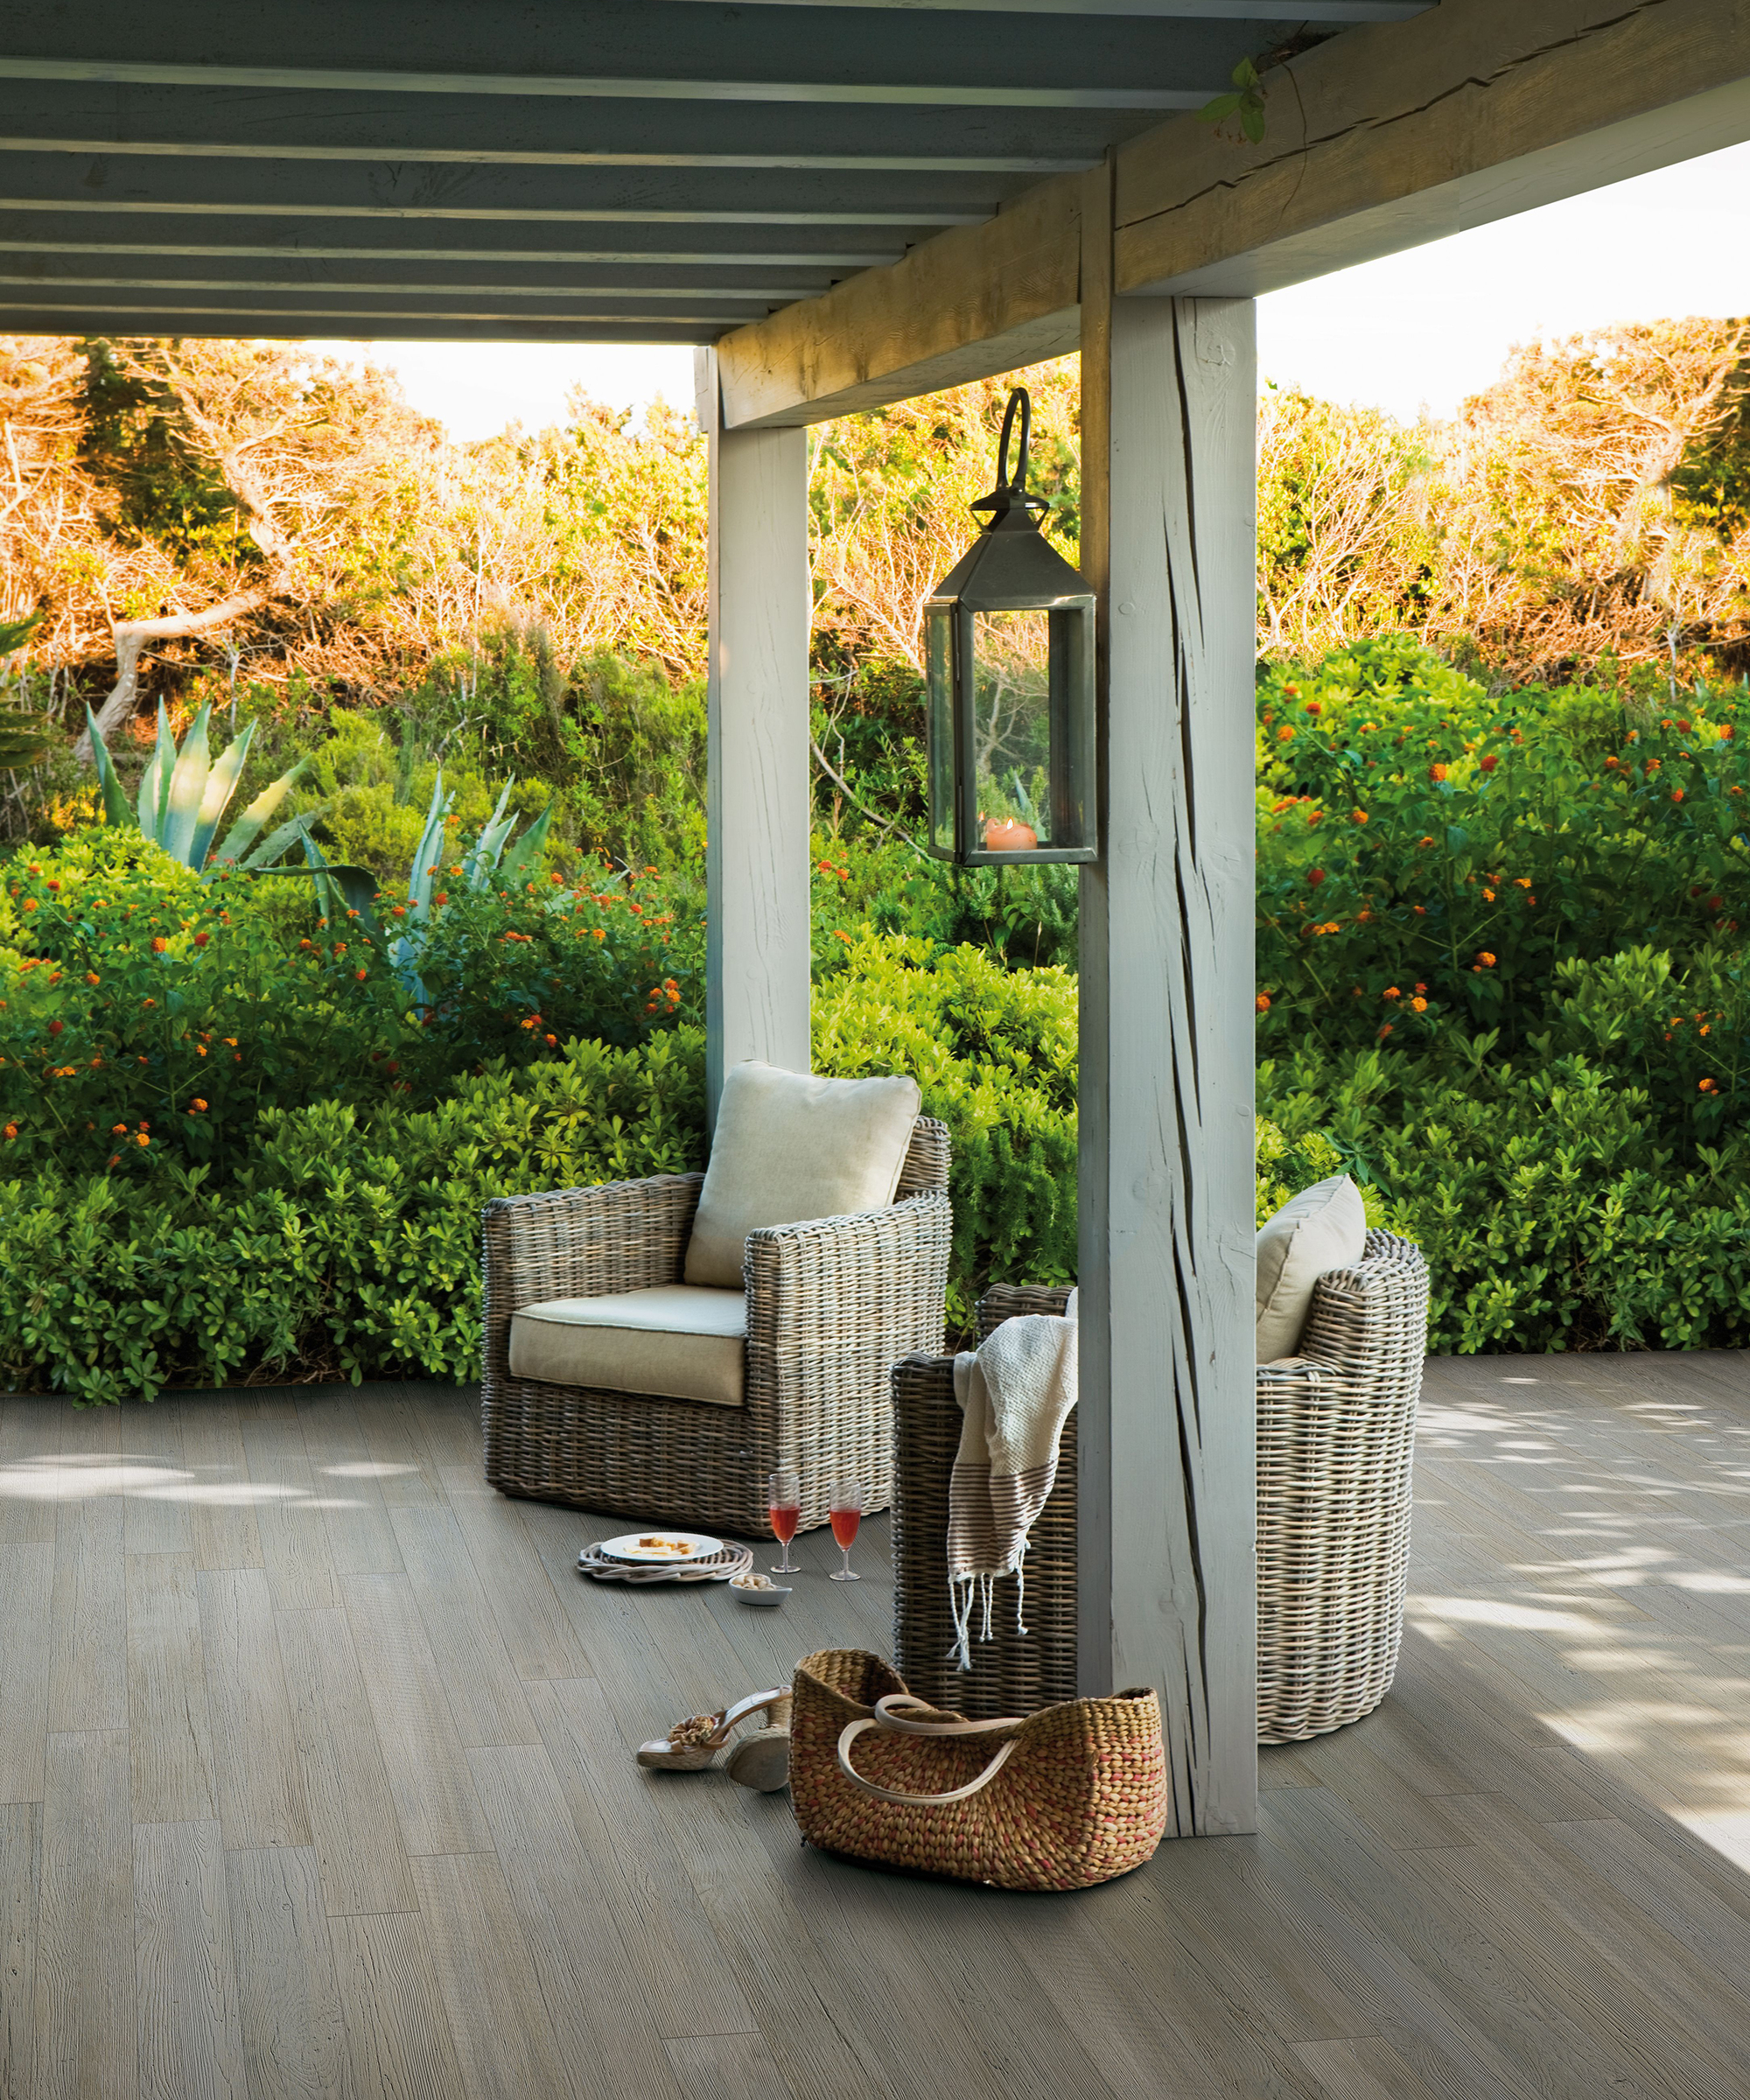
847,204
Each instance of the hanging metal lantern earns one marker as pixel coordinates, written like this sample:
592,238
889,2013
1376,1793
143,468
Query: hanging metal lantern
1009,643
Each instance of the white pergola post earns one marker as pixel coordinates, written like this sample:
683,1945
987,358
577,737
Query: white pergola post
757,854
1167,1416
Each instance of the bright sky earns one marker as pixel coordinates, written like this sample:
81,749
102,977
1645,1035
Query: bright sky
1426,327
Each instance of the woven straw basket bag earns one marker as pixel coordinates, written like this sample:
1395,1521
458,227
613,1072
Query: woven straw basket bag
1067,1797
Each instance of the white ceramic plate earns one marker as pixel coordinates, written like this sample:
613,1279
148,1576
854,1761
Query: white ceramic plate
661,1547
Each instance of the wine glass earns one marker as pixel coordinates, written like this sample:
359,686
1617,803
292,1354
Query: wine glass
845,1508
784,1502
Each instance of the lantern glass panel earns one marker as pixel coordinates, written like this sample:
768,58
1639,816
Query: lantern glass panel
1011,729
939,670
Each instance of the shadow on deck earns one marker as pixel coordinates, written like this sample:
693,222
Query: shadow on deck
315,1777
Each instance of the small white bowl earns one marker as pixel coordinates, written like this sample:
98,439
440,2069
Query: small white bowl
774,1596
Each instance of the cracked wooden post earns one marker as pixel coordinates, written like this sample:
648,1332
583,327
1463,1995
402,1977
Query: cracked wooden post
757,852
1167,1427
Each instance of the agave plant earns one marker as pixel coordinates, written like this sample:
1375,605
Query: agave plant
486,859
183,794
26,739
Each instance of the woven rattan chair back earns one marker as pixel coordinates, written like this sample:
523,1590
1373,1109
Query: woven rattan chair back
832,1305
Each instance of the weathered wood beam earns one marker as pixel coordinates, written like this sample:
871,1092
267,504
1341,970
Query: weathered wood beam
1167,1471
978,300
1390,137
1471,112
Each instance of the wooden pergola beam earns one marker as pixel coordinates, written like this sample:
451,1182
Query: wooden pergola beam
1389,135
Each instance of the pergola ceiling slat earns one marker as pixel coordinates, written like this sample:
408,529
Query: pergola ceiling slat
92,117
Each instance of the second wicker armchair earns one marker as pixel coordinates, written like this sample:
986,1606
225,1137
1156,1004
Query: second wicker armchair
830,1306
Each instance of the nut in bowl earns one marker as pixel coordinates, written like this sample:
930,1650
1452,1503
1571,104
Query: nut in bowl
758,1589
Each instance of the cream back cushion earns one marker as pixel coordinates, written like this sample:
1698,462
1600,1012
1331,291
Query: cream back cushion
789,1147
1324,1227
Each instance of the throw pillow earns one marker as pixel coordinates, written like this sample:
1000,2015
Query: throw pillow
1323,1228
788,1147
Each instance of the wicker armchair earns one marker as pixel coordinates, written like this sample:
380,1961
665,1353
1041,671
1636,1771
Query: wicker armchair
1336,1429
831,1306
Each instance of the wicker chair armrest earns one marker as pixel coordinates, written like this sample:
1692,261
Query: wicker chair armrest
837,1301
581,1243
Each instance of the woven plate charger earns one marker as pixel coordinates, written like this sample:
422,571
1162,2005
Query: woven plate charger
1080,1796
728,1561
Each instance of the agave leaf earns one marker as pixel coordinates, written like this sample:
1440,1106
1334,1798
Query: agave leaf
340,886
221,782
523,854
116,810
490,843
243,834
181,812
154,782
264,856
429,853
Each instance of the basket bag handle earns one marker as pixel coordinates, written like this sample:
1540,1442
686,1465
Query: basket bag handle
891,1717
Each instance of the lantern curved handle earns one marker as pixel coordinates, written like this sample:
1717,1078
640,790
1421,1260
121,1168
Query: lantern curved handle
1017,480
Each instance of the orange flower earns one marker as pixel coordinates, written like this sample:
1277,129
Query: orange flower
1490,760
140,1138
1385,1032
200,939
30,904
1436,773
1391,992
362,975
552,1042
1262,1002
159,944
199,1105
1612,764
1284,732
91,977
1419,1005
1360,816
1485,958
1706,1086
442,897
1315,876
1676,795
11,1133
120,1130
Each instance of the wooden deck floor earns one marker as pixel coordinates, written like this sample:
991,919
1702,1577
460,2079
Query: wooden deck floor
315,1779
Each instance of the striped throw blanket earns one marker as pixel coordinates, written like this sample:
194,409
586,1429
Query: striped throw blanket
1015,1394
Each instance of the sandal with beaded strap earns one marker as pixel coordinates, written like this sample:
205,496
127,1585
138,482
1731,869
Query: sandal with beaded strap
690,1745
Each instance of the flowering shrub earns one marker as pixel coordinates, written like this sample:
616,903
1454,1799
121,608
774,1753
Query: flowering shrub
146,1014
1431,860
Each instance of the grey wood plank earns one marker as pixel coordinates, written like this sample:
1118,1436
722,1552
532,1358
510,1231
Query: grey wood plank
289,1515
155,1509
254,1745
531,1622
726,2067
397,2044
351,1812
86,2035
361,1539
433,1791
291,2022
191,2045
21,1848
408,1449
221,1506
26,1588
486,1697
499,2022
618,1814
169,1733
87,1645
575,1947
1364,2069
28,1423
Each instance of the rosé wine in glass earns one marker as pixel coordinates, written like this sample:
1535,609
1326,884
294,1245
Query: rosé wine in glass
845,1506
784,1504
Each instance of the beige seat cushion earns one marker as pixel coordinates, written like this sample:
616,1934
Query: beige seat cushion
1323,1228
674,1339
789,1147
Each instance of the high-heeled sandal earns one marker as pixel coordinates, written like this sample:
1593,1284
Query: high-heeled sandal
692,1745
